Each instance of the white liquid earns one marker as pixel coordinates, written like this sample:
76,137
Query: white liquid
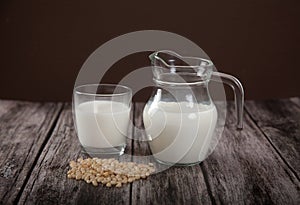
180,132
102,124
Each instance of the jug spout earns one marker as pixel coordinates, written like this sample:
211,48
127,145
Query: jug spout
186,69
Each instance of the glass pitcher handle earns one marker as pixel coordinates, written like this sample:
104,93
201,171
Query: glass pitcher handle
237,87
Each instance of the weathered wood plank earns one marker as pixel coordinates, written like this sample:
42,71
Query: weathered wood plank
245,169
6,105
48,183
296,100
24,128
177,185
280,122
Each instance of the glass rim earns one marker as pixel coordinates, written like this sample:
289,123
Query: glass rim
154,55
126,92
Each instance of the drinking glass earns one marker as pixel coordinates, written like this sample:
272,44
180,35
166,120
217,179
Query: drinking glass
101,116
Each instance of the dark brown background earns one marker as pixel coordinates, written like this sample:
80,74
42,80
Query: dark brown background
44,43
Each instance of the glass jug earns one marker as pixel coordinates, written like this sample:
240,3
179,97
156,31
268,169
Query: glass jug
180,117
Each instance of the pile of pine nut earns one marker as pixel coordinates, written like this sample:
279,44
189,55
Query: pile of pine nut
109,172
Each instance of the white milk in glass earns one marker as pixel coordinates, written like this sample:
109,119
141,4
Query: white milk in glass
180,132
102,124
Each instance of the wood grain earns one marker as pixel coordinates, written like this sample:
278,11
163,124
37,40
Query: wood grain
6,105
280,122
176,185
24,129
245,168
296,100
48,183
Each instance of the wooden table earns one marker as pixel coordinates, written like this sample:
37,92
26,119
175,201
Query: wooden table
258,165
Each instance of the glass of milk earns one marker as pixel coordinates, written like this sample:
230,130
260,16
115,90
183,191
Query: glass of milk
101,113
